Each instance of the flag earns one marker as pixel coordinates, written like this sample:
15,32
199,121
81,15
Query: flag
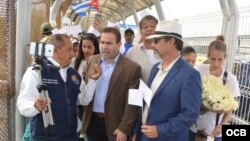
81,8
95,4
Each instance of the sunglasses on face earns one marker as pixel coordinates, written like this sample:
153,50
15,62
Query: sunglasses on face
156,40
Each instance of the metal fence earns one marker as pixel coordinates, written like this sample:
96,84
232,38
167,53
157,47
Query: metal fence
242,66
40,14
7,69
199,31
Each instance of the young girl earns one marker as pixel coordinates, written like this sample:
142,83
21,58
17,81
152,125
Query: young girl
89,45
207,122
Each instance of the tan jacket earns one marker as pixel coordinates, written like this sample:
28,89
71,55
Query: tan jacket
118,114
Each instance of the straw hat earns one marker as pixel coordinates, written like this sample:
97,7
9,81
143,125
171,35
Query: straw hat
167,28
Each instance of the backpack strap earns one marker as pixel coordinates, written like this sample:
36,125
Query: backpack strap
224,80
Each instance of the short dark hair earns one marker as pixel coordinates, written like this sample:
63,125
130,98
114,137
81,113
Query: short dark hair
114,31
147,18
129,31
187,50
179,44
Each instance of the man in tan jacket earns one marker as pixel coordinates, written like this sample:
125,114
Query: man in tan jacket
109,117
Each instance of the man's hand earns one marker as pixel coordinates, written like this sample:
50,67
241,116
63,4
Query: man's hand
98,24
149,131
96,72
120,136
40,104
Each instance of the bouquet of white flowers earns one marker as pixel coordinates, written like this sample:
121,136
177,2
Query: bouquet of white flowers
216,96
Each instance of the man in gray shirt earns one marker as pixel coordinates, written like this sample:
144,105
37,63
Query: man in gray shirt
143,54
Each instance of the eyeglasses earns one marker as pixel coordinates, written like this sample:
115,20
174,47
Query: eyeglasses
156,40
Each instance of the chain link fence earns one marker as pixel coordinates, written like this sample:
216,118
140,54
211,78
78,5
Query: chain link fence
7,69
199,31
40,14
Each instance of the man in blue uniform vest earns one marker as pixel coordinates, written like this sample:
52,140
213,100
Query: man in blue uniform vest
64,89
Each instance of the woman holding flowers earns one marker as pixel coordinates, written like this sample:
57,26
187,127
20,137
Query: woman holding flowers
207,123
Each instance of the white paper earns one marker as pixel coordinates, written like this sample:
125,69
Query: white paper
146,91
74,30
135,97
66,20
59,31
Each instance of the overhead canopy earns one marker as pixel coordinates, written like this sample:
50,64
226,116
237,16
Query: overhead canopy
115,10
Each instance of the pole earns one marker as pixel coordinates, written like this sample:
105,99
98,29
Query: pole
23,27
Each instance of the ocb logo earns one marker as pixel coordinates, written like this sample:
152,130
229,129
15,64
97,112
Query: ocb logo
236,132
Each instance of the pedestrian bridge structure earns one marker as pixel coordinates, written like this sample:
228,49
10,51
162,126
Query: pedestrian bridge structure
20,24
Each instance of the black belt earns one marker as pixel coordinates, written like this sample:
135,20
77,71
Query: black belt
99,115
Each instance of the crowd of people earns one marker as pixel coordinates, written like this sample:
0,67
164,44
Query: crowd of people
89,87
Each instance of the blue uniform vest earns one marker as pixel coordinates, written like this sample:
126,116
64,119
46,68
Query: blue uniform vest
63,96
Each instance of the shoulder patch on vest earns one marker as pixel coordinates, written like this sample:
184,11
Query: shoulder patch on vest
75,79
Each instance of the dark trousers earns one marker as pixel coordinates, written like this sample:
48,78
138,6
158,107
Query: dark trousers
97,129
66,138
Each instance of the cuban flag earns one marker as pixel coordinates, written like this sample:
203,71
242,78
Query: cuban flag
94,4
82,8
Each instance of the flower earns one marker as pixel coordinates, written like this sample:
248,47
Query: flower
216,96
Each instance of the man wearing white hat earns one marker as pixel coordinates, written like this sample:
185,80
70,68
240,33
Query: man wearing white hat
175,104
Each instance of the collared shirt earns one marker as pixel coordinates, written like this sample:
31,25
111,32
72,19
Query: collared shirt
161,74
159,77
62,71
146,58
29,93
103,84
